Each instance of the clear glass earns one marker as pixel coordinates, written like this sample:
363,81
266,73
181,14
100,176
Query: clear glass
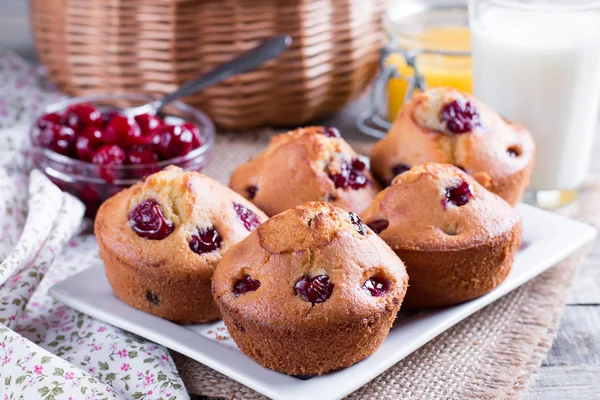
537,62
92,183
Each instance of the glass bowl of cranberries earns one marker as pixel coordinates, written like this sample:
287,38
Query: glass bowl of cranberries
91,150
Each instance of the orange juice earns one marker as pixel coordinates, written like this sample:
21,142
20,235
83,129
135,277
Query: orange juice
438,70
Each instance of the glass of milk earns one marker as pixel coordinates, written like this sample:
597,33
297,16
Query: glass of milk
537,63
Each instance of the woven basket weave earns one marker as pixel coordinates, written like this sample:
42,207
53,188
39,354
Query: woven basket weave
152,46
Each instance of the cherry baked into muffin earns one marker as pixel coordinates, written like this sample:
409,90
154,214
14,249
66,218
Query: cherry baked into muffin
312,290
308,164
161,239
457,240
443,125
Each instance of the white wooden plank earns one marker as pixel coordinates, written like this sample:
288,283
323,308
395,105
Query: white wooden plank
566,383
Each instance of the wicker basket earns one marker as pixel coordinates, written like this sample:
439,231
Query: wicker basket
152,46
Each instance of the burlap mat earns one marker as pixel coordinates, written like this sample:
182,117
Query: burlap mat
494,354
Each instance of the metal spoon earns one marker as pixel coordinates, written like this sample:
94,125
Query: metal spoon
266,50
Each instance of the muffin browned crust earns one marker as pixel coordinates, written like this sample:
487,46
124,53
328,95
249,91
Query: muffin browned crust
165,277
453,253
296,167
275,324
498,153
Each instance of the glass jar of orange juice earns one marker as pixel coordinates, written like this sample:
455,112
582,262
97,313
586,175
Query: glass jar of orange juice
429,45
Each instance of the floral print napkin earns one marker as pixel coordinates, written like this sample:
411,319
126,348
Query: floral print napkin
47,350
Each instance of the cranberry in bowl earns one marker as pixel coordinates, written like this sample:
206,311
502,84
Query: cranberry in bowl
88,148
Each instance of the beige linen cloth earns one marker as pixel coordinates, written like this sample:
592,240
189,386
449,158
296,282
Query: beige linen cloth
494,354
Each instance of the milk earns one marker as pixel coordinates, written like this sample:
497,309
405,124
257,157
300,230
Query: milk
542,70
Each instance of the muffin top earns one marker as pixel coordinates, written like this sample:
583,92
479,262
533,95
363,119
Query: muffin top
438,207
444,125
175,220
314,264
307,164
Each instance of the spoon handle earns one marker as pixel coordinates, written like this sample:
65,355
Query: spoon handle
246,61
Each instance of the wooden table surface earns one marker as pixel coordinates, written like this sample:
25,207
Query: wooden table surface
572,367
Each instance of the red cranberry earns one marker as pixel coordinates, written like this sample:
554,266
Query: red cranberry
400,169
141,155
245,285
196,136
173,141
60,139
83,149
205,241
94,134
376,286
109,155
49,119
351,175
80,115
458,195
248,218
148,221
460,115
316,289
360,225
378,225
251,191
124,132
332,133
147,123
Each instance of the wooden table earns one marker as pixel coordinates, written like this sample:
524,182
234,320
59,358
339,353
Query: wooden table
571,369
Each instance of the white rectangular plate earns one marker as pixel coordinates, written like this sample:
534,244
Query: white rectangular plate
547,239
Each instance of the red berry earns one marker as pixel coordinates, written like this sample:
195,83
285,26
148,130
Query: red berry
376,286
356,221
316,289
148,123
332,133
148,221
205,241
173,141
48,119
83,149
196,136
378,225
461,116
251,191
458,195
350,175
60,139
141,155
245,285
109,155
248,218
123,131
400,169
79,116
94,135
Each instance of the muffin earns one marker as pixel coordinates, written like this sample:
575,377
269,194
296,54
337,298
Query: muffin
161,239
308,164
443,125
457,240
312,290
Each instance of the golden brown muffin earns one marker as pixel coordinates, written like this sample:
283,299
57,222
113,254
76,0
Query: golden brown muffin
162,238
443,125
457,239
308,164
312,290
